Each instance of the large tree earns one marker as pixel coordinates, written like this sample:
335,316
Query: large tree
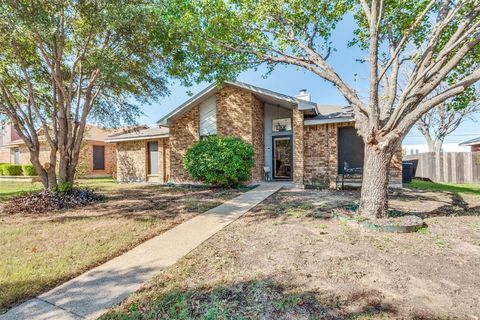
431,36
66,62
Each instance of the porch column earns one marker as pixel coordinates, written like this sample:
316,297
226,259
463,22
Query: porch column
297,123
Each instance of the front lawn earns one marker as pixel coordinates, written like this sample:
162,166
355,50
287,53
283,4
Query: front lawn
11,189
448,187
39,252
288,259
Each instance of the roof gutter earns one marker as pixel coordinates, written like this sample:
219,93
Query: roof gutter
114,140
312,122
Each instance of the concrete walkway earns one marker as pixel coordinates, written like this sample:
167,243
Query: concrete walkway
94,292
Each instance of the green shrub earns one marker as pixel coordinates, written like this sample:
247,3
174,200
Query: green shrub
63,187
29,170
220,161
12,170
1,168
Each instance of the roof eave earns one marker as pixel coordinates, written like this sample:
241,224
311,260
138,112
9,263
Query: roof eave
302,104
311,122
157,136
180,109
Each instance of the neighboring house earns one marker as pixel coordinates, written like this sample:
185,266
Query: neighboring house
474,144
7,134
293,137
97,158
422,148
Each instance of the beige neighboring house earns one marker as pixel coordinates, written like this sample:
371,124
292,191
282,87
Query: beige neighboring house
294,139
97,158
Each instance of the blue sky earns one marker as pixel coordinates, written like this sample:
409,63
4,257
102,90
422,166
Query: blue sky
289,80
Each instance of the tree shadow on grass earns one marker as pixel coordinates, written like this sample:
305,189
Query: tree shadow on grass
256,299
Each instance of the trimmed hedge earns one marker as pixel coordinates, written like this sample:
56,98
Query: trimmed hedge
220,161
29,170
1,168
12,170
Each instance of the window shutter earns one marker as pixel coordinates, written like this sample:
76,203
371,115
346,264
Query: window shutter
208,117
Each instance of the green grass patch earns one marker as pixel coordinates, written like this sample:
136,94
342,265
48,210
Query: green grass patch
446,187
255,299
12,188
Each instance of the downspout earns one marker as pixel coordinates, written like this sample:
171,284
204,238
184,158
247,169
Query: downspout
164,162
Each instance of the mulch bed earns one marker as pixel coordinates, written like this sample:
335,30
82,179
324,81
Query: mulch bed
46,200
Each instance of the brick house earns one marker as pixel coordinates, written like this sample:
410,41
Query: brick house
97,158
293,138
474,144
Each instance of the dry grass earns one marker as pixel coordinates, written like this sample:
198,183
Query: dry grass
41,251
287,259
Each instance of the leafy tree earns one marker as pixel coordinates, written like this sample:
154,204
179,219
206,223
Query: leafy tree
220,161
433,37
66,62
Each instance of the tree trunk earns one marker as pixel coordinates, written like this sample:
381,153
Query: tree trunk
374,193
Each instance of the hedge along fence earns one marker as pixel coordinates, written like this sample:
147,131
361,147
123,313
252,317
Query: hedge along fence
8,169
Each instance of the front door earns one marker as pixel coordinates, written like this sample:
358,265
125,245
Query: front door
282,157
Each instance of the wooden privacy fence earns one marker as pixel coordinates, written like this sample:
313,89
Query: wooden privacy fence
453,167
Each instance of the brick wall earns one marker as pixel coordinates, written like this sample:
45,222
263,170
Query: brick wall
131,161
475,148
4,155
44,155
85,163
241,114
258,140
321,156
234,113
184,131
298,146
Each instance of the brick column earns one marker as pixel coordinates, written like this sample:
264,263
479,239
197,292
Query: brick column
297,123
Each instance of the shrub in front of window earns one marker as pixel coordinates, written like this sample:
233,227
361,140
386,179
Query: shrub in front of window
12,170
29,170
220,161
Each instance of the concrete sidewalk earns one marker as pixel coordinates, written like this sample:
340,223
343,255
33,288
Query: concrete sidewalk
94,292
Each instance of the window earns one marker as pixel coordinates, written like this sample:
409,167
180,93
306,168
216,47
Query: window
98,158
208,117
16,156
152,157
279,125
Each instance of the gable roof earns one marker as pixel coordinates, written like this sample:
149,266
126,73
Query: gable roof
331,114
265,94
471,142
143,134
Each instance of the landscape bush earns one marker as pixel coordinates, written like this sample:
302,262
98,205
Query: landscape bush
12,169
29,170
220,161
1,167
